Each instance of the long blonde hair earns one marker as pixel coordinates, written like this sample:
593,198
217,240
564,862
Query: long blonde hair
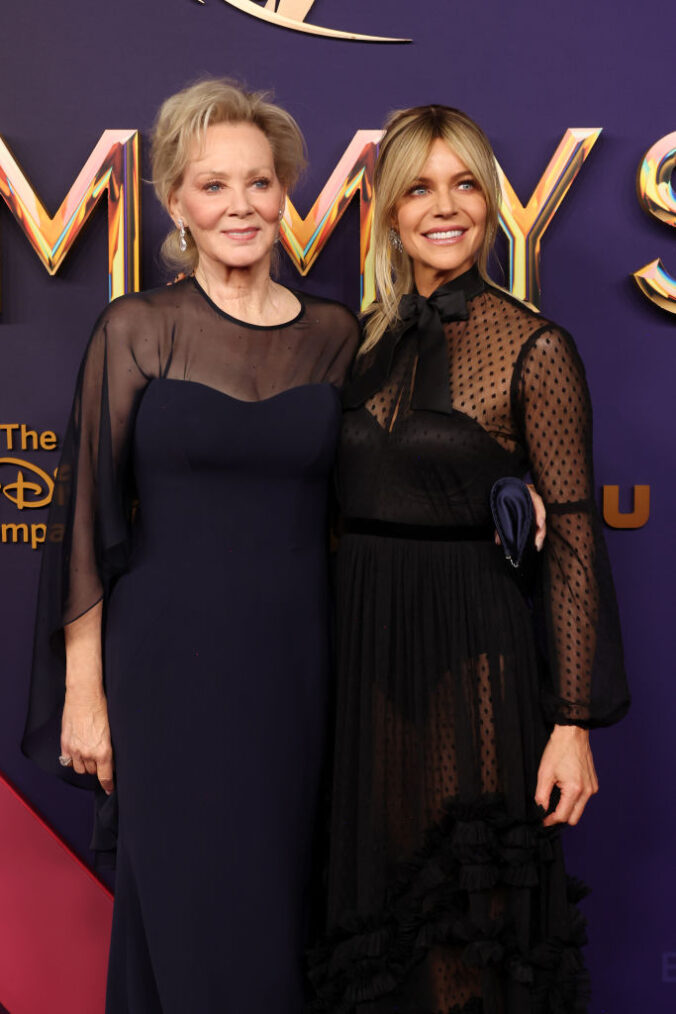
409,135
183,119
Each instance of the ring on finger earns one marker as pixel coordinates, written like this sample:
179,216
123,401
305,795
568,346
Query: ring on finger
65,761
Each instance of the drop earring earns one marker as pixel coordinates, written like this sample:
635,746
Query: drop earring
395,241
182,241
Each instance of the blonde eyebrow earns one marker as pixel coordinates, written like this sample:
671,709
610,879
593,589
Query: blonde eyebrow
225,176
466,173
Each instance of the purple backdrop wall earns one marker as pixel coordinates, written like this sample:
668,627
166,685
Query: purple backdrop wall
526,72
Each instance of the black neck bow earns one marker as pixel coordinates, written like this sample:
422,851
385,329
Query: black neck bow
431,390
426,319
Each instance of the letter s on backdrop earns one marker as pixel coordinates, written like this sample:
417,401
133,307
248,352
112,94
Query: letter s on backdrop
657,196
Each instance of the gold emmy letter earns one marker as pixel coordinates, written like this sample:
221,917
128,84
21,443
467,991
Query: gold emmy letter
524,227
112,169
657,196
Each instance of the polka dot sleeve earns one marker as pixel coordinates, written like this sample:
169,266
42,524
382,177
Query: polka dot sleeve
586,683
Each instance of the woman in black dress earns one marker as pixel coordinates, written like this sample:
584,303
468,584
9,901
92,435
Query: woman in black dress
460,751
183,594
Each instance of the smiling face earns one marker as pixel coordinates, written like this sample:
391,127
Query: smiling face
441,219
230,197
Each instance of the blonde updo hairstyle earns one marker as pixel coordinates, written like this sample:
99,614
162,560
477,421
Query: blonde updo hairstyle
183,120
409,135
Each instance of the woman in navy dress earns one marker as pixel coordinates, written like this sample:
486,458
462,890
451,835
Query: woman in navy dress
184,595
460,752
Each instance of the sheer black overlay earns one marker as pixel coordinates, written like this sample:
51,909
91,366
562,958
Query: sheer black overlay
445,892
170,334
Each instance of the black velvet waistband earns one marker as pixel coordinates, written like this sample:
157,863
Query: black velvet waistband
427,533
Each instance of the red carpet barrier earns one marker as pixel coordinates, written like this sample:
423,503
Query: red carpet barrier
54,919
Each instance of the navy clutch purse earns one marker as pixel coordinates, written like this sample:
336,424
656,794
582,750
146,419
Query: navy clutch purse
513,516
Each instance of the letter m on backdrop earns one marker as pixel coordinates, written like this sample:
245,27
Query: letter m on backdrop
112,168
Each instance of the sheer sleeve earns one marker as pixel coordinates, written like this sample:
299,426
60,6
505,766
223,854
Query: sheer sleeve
586,682
348,334
89,522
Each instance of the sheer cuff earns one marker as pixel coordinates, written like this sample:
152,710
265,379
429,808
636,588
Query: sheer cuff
558,711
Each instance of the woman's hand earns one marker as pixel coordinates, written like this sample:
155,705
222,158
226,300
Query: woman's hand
540,517
567,762
85,733
85,736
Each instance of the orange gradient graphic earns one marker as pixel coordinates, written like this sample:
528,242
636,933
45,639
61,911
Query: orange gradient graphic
524,227
657,196
112,168
305,238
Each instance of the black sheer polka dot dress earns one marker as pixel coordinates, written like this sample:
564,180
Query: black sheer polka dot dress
446,894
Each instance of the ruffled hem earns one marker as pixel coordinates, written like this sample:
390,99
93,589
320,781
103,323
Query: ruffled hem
443,896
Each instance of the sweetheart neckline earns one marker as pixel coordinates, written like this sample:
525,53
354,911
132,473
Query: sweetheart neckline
243,401
462,417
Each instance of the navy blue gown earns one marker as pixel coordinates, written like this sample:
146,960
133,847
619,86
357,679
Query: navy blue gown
192,499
